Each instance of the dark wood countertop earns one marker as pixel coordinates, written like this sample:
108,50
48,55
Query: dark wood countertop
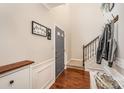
14,66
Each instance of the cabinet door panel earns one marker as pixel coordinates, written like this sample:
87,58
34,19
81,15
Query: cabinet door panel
16,80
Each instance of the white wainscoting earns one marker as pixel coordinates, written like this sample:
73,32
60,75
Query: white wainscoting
43,74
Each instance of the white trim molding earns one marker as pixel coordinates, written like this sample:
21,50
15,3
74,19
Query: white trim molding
76,59
120,62
67,63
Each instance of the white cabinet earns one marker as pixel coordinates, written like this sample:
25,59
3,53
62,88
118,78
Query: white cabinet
16,80
41,75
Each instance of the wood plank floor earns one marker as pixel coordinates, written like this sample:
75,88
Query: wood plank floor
72,79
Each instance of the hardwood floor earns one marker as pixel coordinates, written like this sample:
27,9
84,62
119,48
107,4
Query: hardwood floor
72,79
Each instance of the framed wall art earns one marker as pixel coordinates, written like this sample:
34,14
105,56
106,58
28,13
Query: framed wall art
39,29
48,33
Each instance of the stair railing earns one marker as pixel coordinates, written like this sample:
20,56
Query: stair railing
89,50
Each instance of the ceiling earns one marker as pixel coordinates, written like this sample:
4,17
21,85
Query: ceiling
52,5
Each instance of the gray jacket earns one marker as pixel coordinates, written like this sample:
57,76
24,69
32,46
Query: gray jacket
112,46
107,45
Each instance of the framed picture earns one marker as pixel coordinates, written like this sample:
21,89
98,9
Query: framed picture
48,33
39,29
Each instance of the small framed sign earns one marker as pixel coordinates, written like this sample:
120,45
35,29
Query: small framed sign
39,29
48,33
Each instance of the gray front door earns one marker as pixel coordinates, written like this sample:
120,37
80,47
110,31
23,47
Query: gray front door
59,54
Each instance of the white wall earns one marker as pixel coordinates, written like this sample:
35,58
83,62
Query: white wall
120,64
81,23
16,41
86,24
121,31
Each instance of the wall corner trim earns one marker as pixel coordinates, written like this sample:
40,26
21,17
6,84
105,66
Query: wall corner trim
120,62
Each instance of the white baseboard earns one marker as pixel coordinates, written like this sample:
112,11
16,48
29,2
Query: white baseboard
76,59
65,67
50,84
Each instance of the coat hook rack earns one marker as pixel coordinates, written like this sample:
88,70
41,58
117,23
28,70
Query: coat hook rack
116,19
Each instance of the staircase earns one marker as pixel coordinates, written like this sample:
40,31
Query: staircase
89,55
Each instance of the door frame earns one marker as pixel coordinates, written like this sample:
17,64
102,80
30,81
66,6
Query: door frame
54,37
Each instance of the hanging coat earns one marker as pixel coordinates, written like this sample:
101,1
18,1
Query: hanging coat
103,46
112,47
107,46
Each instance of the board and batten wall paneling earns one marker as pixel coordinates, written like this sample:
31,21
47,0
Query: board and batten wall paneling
43,74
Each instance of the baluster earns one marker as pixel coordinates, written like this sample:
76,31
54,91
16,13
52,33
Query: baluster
85,56
93,49
85,53
88,52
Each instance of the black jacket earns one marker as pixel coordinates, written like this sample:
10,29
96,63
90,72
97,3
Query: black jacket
107,47
103,46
